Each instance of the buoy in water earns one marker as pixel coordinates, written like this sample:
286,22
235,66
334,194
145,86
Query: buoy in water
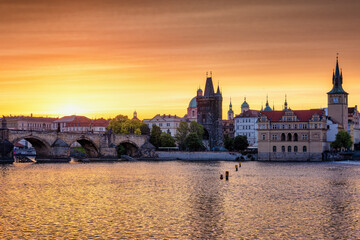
239,164
221,177
227,175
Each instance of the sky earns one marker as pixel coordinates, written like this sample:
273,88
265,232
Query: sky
101,58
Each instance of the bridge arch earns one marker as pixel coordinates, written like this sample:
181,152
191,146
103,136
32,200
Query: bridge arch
89,146
42,148
129,148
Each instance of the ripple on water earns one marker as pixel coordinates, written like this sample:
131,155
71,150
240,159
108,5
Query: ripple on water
180,200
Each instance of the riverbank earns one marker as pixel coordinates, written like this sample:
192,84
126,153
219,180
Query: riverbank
204,156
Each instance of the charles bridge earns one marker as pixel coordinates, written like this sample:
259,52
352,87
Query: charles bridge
53,146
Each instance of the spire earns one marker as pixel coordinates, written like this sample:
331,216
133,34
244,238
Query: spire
267,100
285,104
337,79
230,103
273,106
209,87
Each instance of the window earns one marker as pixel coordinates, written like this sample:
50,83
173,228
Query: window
315,126
304,137
274,148
289,137
295,149
304,149
289,148
168,124
160,124
274,137
283,137
263,137
283,148
296,137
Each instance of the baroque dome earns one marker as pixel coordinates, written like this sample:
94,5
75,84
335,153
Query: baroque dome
193,103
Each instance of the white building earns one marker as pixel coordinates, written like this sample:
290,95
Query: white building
245,125
167,123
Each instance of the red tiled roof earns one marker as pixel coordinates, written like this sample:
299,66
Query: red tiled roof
100,122
303,115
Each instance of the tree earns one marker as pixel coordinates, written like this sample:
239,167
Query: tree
145,130
342,140
240,143
181,133
166,140
155,136
228,143
197,128
193,142
123,125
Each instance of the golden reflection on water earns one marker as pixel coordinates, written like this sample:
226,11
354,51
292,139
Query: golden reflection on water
181,200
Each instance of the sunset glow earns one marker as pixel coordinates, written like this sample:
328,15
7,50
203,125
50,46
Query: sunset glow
103,58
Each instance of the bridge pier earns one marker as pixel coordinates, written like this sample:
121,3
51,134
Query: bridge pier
6,147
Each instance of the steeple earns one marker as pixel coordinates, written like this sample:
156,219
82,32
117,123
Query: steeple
285,104
337,80
267,107
209,87
230,112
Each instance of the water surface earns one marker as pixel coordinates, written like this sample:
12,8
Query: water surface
180,200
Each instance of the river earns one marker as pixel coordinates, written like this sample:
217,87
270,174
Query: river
180,200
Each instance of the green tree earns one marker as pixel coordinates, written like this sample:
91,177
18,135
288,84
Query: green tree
193,142
228,143
166,140
155,136
240,143
197,128
342,140
145,130
123,125
181,133
121,150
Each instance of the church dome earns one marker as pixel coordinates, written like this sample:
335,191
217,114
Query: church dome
267,108
193,103
245,105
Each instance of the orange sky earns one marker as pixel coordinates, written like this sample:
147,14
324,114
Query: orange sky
108,57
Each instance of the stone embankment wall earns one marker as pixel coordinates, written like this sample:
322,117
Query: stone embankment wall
206,156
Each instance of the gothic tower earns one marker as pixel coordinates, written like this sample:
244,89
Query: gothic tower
338,99
209,113
230,112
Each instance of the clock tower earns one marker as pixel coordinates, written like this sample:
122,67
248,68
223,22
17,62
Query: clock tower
338,99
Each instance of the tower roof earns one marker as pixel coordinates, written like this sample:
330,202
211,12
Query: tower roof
337,80
193,103
245,104
209,87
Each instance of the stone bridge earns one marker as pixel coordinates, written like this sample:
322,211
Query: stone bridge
55,146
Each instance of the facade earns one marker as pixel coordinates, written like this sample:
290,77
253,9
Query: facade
292,135
354,124
209,113
80,124
167,123
30,123
246,125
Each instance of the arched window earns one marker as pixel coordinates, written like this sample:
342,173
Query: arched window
283,137
296,137
295,149
274,148
289,148
289,137
304,149
283,148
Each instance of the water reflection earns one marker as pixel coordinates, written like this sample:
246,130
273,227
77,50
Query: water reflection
181,200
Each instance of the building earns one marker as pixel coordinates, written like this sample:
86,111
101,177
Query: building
209,113
167,123
30,123
354,124
192,108
338,99
245,125
80,124
228,125
292,135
